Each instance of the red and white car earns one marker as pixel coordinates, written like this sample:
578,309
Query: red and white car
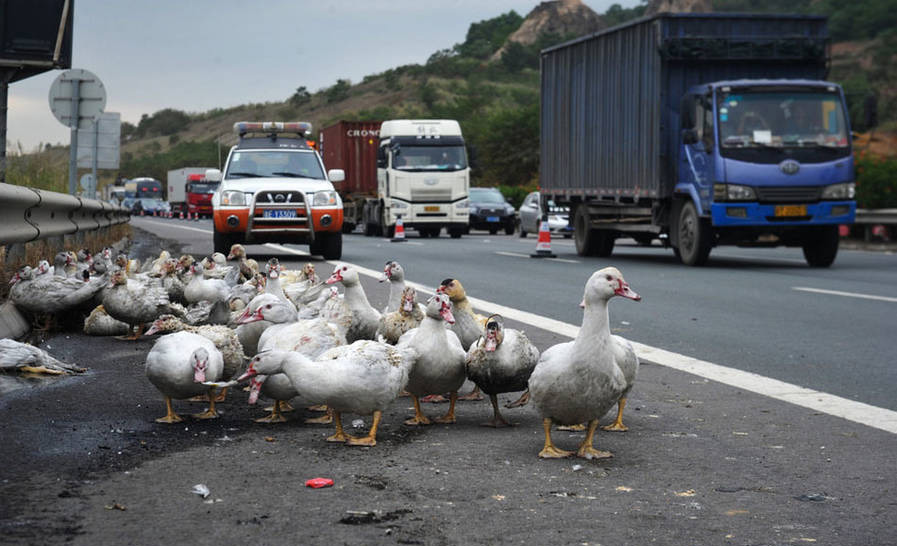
274,188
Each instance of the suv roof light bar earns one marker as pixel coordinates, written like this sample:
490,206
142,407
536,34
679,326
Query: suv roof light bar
302,128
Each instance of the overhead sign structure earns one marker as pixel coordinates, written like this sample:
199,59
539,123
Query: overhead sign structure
101,141
35,36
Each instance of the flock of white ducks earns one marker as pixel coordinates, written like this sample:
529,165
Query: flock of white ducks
290,334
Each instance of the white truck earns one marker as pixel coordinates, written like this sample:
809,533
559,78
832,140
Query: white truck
422,176
274,189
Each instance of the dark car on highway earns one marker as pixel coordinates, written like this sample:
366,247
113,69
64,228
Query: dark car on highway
490,211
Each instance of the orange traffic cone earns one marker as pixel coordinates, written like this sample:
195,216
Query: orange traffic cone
182,215
399,235
141,212
543,247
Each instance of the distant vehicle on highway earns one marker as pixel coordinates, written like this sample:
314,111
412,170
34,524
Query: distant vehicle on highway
531,216
490,210
148,187
149,205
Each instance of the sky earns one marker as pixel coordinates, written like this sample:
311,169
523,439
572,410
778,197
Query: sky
201,54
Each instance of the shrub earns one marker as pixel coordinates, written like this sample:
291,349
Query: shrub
876,182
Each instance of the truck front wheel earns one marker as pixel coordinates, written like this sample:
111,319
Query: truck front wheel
223,241
821,246
329,245
695,236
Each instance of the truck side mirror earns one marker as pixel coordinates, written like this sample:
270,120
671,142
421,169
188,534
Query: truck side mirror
336,175
689,136
213,175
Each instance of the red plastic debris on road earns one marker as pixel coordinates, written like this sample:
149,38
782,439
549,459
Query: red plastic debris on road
318,483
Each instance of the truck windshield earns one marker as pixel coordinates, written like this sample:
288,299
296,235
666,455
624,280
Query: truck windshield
264,164
202,187
429,158
781,119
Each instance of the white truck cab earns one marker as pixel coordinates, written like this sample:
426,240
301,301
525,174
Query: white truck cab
423,176
274,189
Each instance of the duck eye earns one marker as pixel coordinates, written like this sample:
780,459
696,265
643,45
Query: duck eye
608,277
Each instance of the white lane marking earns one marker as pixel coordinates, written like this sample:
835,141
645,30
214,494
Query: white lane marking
847,294
166,224
518,255
858,412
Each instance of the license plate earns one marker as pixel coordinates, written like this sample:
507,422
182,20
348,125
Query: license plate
288,213
492,218
791,210
431,208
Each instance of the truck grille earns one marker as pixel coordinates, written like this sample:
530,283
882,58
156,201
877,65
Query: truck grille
279,211
794,194
279,197
431,195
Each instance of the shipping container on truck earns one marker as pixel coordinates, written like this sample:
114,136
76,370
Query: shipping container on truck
700,130
177,186
352,147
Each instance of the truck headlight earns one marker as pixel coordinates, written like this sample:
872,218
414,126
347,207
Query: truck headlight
326,198
733,192
233,198
398,205
462,204
845,190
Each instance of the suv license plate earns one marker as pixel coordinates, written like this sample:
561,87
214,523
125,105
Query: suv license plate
288,213
492,218
791,210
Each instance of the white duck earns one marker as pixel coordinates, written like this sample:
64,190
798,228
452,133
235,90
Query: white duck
178,364
51,294
136,303
440,363
99,323
309,337
202,289
578,381
224,338
499,362
408,316
468,324
365,319
30,359
395,274
362,378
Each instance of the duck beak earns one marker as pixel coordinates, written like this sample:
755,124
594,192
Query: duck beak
335,278
248,316
447,315
626,292
153,330
255,387
250,372
199,373
491,343
582,304
408,306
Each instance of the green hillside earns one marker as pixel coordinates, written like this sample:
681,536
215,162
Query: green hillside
497,102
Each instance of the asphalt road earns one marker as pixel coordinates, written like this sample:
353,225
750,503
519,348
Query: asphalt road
703,463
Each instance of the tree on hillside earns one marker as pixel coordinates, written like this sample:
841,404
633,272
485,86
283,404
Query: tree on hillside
484,38
509,146
300,97
162,123
338,92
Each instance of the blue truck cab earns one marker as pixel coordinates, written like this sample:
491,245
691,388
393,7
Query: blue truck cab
768,157
699,130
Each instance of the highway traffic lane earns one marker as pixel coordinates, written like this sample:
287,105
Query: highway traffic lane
702,462
742,315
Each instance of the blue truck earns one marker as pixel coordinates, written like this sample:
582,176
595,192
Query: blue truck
699,130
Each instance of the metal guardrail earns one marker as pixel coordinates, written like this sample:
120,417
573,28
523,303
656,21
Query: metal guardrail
876,216
28,214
